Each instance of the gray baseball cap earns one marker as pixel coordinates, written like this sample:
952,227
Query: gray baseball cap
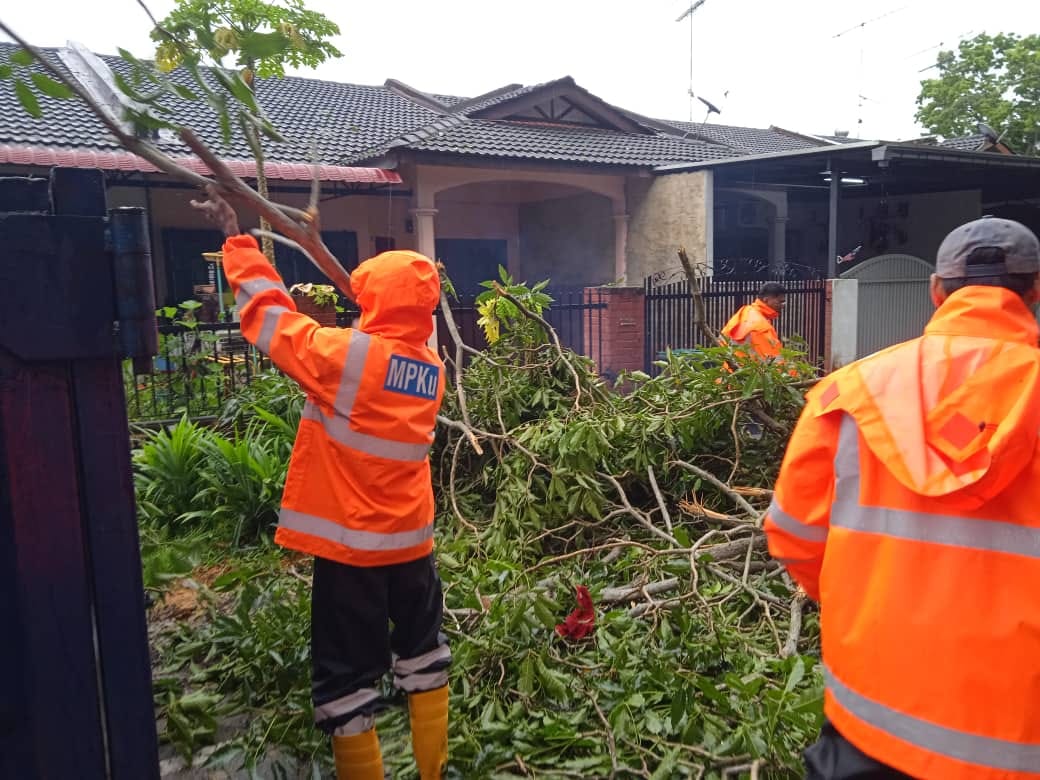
1020,245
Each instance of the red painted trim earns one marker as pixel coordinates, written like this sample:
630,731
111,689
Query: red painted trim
45,156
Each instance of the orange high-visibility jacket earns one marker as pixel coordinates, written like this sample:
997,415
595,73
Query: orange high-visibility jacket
358,489
908,505
753,325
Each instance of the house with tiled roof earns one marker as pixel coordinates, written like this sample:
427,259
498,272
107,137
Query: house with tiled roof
548,180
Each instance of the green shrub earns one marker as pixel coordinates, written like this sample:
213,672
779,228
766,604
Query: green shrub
169,470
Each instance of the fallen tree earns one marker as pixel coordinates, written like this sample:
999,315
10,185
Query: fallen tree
651,500
689,653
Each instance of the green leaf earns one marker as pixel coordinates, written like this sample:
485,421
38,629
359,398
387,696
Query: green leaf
184,92
28,99
225,126
22,57
126,55
5,71
259,46
50,87
797,673
234,84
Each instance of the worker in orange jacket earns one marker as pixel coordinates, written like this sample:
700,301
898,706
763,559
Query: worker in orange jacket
752,325
358,495
907,507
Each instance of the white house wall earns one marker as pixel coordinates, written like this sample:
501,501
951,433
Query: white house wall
665,213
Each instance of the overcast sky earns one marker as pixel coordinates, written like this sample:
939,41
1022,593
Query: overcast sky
799,64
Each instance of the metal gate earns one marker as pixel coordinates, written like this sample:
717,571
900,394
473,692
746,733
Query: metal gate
893,300
670,316
76,699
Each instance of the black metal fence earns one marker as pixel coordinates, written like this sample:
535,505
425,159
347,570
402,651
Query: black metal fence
199,366
573,314
197,369
670,322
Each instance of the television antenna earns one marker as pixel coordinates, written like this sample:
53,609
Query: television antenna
689,13
860,27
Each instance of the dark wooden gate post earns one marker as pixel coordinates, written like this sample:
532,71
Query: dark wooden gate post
76,701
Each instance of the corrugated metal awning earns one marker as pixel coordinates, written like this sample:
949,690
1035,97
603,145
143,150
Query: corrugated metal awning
47,157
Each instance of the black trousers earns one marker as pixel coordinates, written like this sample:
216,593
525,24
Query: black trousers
365,621
833,757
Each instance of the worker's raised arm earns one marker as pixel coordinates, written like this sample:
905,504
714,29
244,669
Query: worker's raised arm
308,353
798,520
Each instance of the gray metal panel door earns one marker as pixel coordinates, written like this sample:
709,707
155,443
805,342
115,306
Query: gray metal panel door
894,303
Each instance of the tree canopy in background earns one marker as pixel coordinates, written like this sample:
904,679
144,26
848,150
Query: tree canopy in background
265,37
989,78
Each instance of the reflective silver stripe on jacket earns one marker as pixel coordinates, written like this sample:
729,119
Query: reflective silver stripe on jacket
338,429
344,705
268,326
369,541
848,512
794,526
963,746
350,378
246,292
252,287
337,426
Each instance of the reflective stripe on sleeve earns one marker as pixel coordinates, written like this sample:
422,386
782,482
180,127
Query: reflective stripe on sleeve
252,287
794,526
268,327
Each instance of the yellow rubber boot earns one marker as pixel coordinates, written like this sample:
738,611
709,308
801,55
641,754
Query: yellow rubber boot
358,756
428,712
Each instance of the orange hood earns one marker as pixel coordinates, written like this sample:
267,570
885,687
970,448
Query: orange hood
954,415
397,292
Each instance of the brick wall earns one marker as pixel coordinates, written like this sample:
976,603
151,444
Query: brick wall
615,334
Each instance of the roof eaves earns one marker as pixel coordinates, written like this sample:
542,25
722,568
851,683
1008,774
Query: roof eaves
945,154
818,150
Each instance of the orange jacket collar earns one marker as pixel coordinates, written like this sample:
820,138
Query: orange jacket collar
765,309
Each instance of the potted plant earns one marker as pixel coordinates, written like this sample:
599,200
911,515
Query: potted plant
317,301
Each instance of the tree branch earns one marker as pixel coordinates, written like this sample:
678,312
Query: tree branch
552,334
718,483
699,315
303,232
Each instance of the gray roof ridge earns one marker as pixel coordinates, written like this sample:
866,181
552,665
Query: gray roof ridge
464,105
818,139
417,96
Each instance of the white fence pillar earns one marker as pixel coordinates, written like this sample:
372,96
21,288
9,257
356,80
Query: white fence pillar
844,321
